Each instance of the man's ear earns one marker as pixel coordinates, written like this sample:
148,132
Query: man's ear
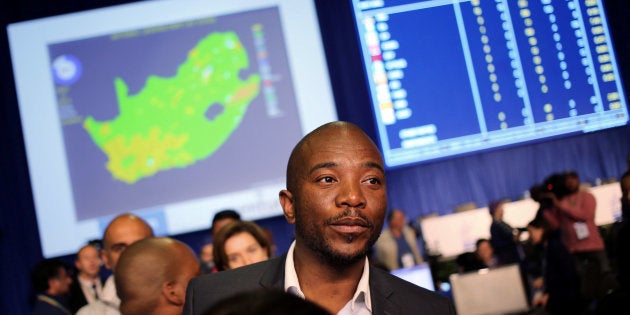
287,203
174,293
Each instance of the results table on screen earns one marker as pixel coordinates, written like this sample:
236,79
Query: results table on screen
454,76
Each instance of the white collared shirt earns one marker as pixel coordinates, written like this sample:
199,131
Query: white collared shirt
88,287
107,304
361,302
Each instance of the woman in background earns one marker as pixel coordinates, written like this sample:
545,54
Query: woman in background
240,243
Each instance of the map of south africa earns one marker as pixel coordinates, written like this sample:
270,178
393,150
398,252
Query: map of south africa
164,125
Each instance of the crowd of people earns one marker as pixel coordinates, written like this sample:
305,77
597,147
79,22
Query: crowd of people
337,264
566,264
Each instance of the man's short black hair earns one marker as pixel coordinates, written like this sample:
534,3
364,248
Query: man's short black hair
225,214
44,271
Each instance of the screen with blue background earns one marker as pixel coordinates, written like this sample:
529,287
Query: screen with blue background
450,77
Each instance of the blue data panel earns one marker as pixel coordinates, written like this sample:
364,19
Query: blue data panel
450,77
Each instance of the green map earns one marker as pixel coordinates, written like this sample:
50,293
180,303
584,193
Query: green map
164,125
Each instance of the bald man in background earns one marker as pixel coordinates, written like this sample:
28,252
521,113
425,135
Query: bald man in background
121,232
152,275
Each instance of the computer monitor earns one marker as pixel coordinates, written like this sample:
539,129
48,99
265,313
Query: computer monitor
489,291
419,275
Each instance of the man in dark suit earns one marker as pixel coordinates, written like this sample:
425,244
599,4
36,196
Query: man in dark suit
87,283
336,197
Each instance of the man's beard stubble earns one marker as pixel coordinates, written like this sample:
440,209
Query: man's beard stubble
318,243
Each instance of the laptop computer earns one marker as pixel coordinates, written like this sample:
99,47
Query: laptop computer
490,291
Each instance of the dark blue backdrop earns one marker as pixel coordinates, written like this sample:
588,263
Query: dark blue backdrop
420,190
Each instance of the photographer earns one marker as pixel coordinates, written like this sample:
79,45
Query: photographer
572,211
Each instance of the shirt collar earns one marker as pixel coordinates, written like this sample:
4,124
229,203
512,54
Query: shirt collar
88,283
292,284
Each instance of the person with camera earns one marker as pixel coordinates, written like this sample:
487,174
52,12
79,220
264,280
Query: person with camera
572,211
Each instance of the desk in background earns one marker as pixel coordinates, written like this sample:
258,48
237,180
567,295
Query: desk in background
452,234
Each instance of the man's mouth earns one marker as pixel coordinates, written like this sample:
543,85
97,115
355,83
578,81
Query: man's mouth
351,225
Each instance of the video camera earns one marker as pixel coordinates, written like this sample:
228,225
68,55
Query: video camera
555,183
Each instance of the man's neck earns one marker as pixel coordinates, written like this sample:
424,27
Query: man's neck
330,286
87,277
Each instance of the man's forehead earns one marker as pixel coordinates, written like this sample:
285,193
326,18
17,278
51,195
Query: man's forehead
124,239
337,154
127,238
338,139
87,250
332,143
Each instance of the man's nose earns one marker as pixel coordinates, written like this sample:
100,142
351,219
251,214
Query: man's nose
351,195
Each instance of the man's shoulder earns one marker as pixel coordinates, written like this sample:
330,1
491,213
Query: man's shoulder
205,290
249,272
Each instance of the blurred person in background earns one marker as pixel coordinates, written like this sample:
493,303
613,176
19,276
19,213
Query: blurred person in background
397,247
240,243
205,258
219,220
51,282
152,275
87,284
122,231
572,211
503,237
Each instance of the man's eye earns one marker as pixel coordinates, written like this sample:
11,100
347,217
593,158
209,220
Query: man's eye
326,179
117,248
374,181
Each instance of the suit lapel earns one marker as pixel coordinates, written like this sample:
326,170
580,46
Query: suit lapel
381,291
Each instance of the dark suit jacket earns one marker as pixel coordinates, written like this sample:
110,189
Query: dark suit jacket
77,298
390,295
